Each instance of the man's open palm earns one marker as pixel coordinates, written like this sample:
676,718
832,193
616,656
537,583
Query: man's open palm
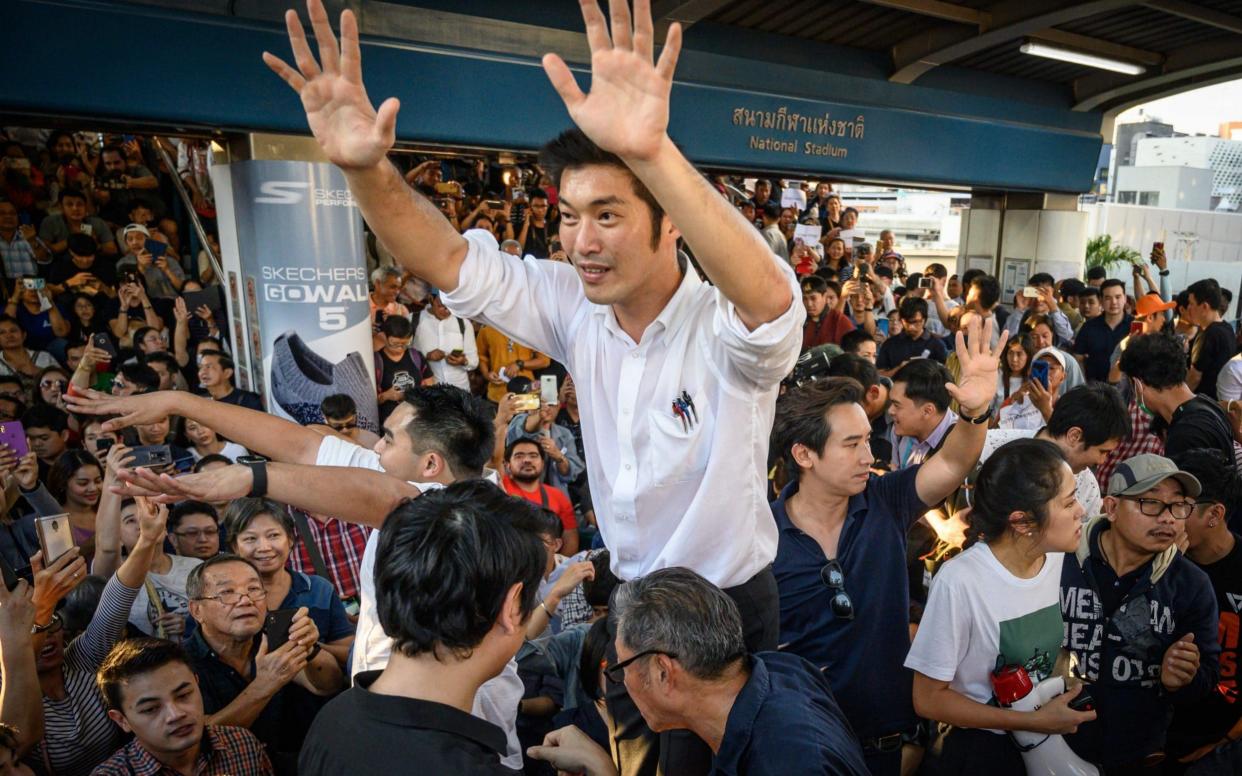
626,111
351,132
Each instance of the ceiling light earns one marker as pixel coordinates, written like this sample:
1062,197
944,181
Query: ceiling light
1079,58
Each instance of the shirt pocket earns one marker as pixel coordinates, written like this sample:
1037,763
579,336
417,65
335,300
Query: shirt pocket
680,451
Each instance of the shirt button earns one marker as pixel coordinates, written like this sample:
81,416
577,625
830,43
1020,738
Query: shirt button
634,354
628,467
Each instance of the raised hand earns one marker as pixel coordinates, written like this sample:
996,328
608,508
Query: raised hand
976,385
626,111
350,131
139,409
222,484
152,519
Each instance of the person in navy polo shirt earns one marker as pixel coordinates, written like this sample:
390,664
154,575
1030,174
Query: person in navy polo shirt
1099,336
681,654
841,559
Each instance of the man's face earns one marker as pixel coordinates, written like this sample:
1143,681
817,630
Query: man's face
606,229
813,301
45,443
1114,300
11,335
539,208
153,433
1040,304
141,214
8,216
73,208
240,620
1146,534
113,161
748,211
526,463
868,350
197,536
1082,457
387,289
849,219
211,374
438,309
161,369
645,688
73,356
912,327
395,346
396,448
8,409
163,709
63,147
135,241
846,460
151,342
763,189
911,417
954,287
1042,336
1089,306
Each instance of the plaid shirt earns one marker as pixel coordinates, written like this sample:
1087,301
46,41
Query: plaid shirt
574,608
341,544
1141,440
226,751
18,256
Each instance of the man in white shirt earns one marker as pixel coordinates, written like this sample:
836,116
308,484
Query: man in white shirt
447,342
1087,423
657,354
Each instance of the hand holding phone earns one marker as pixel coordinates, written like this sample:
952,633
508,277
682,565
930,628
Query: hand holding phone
55,537
1039,372
276,627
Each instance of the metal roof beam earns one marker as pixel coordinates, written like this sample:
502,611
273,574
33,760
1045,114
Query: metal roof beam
1009,20
1197,13
949,12
688,12
1184,68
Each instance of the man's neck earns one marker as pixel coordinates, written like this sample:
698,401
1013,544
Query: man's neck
712,703
1215,546
815,504
182,762
1167,401
234,653
645,304
924,434
1208,319
219,390
1112,319
450,681
1121,556
531,486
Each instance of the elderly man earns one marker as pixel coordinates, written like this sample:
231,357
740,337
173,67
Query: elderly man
681,655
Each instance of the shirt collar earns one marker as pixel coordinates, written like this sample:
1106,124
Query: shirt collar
142,763
428,715
685,293
942,428
857,505
739,727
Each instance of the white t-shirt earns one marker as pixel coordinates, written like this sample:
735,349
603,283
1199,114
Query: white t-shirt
170,588
231,451
978,612
1229,381
1086,487
498,698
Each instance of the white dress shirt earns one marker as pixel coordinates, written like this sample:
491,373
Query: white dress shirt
498,698
666,493
447,335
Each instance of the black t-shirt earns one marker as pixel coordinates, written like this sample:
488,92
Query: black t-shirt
1196,724
408,372
248,399
1209,351
901,348
1199,422
537,238
63,268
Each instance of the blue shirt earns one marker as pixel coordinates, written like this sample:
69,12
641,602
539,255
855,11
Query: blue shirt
322,604
862,658
1097,342
785,721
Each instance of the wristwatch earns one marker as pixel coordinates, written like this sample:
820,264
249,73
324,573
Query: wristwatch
52,623
1164,273
978,420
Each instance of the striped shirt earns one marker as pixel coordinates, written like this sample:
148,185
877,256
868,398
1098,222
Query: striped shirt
18,255
226,751
77,733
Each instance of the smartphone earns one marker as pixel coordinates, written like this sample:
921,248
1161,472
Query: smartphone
1030,292
379,319
155,248
861,269
9,574
547,389
455,352
445,187
102,341
1039,371
494,204
13,435
103,445
1136,327
34,284
526,402
881,325
151,456
276,627
129,276
1158,246
55,537
925,282
519,195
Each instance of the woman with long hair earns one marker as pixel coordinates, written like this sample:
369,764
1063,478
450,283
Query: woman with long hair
997,605
75,480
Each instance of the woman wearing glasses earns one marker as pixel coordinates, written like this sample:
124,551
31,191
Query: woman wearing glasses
997,604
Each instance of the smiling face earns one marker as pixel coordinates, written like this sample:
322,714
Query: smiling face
85,487
264,543
163,708
606,229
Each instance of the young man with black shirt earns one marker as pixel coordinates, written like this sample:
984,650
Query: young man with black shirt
456,581
215,375
913,342
1215,343
535,231
1156,367
1098,337
397,365
1206,732
81,271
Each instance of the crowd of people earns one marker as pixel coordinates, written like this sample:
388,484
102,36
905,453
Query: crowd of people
660,487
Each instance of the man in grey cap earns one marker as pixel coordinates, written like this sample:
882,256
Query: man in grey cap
1139,617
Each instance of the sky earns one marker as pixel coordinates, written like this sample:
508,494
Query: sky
1200,111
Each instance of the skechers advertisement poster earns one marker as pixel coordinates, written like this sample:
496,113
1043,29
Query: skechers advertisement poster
297,244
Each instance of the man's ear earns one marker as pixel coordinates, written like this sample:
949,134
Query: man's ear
803,456
120,720
1109,505
1074,436
511,618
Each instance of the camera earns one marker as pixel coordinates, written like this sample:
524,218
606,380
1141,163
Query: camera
811,366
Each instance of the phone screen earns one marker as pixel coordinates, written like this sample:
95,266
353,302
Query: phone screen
1039,371
155,247
276,627
1136,328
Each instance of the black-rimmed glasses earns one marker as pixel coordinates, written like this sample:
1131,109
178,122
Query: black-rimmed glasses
616,673
1154,507
231,599
834,578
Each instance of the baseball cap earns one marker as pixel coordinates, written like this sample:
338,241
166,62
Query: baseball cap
1152,303
1141,473
1054,352
135,228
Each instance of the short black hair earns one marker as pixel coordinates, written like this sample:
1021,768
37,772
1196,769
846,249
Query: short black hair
190,507
852,339
572,150
1095,408
82,244
223,359
451,422
134,657
143,377
207,460
911,306
772,209
814,284
598,590
162,357
989,289
1156,359
338,405
1089,291
445,563
802,416
522,440
924,381
397,326
936,270
1021,476
1041,279
1097,273
68,192
855,366
969,276
1206,291
1110,283
1215,471
241,512
45,416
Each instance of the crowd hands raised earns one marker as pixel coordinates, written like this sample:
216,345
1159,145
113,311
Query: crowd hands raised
999,538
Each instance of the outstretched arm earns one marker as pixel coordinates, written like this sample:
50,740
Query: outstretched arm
357,139
626,112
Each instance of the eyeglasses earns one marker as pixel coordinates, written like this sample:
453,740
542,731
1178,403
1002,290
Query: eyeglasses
49,383
616,673
231,599
834,578
345,425
1154,507
198,533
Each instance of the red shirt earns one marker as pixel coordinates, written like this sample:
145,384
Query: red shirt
547,497
830,328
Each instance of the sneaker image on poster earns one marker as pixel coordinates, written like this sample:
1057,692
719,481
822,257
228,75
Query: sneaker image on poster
302,379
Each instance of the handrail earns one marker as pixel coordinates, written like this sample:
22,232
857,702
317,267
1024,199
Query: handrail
188,201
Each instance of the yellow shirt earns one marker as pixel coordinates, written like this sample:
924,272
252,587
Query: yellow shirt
498,351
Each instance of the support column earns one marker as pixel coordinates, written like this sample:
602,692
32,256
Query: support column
296,277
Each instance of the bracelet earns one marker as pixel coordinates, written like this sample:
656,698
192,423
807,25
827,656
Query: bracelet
1164,273
547,611
315,649
37,628
259,488
978,420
